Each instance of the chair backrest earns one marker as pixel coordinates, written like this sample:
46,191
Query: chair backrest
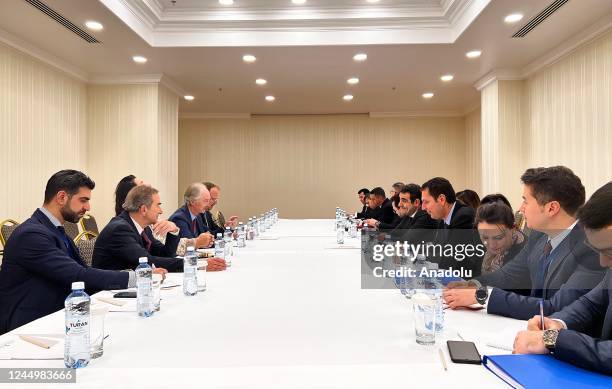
86,246
219,219
6,229
88,223
72,229
521,223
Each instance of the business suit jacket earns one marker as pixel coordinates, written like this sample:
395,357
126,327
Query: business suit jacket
416,229
384,213
209,223
120,245
363,213
593,311
573,272
37,273
182,218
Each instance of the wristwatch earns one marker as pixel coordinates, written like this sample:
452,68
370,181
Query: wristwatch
482,294
550,338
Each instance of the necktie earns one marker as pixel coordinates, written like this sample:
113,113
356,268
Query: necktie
69,247
194,226
146,240
544,263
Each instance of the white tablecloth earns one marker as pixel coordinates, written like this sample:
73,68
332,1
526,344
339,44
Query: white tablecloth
289,313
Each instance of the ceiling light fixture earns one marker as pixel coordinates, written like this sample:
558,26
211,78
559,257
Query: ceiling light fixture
428,95
513,18
353,80
473,54
372,1
189,98
447,77
139,59
93,25
226,2
270,98
261,81
298,1
347,97
360,57
249,58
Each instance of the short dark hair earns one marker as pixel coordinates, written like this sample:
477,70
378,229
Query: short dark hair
557,183
440,186
365,191
495,197
595,214
378,191
397,186
209,185
121,191
414,190
468,197
495,213
69,181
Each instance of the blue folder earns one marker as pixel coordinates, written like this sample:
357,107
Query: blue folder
542,371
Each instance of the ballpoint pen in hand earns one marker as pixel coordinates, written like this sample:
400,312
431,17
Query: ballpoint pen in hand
542,314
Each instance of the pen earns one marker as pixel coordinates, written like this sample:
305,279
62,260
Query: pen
542,314
442,359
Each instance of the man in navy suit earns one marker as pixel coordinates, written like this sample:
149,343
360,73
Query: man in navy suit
187,219
565,333
554,266
383,208
129,236
41,262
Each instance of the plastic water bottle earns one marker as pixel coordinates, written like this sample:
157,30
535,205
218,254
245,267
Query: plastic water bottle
241,235
144,288
340,232
262,223
255,227
76,348
353,229
219,247
190,268
250,234
227,239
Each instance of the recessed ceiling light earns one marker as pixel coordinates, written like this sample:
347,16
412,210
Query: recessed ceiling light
347,97
513,18
360,57
270,98
93,25
428,95
226,2
298,1
447,77
261,81
189,98
249,58
353,80
372,1
139,59
473,54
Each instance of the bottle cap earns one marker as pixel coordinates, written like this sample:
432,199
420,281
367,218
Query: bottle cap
143,260
80,285
240,223
190,248
218,234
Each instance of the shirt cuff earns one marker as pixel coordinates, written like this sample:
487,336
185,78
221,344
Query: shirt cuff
176,233
131,279
560,321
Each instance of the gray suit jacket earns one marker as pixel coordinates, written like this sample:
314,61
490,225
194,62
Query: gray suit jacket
591,312
573,272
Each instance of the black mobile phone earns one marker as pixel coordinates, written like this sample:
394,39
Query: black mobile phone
125,295
463,352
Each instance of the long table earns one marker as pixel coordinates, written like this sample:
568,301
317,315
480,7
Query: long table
288,313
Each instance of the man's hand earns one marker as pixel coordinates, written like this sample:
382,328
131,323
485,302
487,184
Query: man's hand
535,324
205,240
371,222
162,271
461,285
232,222
162,227
529,342
459,297
216,264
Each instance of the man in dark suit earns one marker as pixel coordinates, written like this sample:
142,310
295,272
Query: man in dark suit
129,236
381,208
566,332
555,266
40,261
416,225
207,217
187,218
363,195
455,223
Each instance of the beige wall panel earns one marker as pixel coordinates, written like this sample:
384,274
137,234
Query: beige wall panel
308,165
42,130
473,152
167,179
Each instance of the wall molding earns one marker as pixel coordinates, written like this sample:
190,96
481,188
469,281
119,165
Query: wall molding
498,75
414,114
201,115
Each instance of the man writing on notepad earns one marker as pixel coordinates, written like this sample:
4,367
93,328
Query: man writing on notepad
564,333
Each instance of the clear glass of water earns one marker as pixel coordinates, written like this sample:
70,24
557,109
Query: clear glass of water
96,331
201,276
156,287
424,318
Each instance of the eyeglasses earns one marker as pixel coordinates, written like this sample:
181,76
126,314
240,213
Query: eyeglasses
605,252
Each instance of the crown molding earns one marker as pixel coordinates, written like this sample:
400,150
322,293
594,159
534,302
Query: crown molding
228,115
498,75
42,55
414,114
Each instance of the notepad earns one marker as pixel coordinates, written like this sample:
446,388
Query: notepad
542,371
18,349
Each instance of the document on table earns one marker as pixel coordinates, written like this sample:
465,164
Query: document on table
14,348
503,340
114,304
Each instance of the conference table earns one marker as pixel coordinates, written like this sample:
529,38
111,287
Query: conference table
289,313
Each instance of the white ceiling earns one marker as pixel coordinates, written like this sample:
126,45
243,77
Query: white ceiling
304,78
